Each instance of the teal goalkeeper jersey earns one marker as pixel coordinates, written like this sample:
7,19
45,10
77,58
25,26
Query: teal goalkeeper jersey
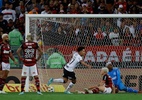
56,61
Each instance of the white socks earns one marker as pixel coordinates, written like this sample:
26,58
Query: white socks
59,80
69,86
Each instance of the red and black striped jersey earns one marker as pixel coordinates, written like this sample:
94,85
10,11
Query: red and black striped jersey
29,51
5,52
108,80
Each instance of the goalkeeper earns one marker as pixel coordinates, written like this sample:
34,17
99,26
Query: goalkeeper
116,77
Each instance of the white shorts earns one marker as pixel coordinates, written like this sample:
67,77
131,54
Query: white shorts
5,66
29,70
107,90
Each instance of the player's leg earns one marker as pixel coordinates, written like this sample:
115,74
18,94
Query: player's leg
25,73
72,83
59,80
2,80
105,90
122,87
5,72
80,92
34,73
0,77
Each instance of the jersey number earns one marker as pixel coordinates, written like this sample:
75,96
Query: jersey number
72,61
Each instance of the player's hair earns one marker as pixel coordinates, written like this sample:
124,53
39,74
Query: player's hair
4,35
105,69
80,49
29,37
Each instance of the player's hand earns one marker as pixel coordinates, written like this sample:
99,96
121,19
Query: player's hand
21,59
15,62
36,60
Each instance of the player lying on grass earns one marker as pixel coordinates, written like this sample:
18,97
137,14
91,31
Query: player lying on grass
69,69
105,86
116,77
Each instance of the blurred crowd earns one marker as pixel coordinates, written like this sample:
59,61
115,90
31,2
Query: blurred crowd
88,32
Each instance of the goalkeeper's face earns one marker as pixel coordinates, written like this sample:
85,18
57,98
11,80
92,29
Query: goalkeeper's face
110,67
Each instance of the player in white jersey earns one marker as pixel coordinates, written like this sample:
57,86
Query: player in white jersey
69,69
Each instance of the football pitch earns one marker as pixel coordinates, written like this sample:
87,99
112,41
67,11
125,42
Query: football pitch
62,96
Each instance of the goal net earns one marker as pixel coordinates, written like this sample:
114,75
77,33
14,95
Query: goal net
115,38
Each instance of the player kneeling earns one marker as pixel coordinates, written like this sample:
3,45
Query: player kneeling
105,86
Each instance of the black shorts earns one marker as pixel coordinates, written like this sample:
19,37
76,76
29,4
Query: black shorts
68,75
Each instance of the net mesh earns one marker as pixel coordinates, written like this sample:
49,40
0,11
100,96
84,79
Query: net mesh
106,39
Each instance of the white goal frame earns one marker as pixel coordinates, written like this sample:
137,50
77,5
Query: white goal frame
27,25
28,16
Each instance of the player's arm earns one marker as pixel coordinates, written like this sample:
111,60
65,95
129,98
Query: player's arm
12,57
40,53
85,64
103,81
19,53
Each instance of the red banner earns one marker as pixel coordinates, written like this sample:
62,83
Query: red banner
105,53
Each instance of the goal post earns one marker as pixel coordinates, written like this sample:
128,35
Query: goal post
107,37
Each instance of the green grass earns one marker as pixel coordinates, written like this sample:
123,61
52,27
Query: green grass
62,96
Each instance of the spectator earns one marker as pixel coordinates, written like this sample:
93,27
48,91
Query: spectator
46,10
123,4
102,9
19,7
134,9
15,37
60,36
139,27
1,32
10,25
3,23
129,4
21,25
33,11
133,27
8,13
83,36
127,37
72,9
90,7
109,5
99,37
137,39
13,12
107,28
121,10
56,60
114,37
140,38
71,37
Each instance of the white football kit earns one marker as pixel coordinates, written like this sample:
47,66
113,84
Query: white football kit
73,63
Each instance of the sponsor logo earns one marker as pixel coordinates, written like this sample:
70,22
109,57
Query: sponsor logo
32,88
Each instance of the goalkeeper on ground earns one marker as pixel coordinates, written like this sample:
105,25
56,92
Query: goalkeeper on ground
116,77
